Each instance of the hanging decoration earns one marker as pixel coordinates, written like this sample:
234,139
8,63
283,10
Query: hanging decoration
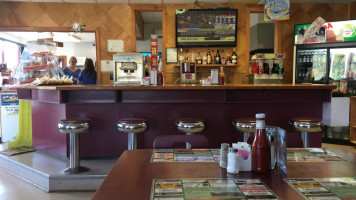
276,10
79,27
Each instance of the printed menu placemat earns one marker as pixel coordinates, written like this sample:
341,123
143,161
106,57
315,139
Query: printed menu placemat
228,188
186,155
325,188
311,155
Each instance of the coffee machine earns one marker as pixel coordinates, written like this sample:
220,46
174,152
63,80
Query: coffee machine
187,73
128,68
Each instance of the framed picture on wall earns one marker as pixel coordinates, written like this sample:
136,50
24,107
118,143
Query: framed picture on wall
171,55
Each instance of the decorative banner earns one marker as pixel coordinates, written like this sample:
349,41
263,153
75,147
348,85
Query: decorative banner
340,31
276,10
154,51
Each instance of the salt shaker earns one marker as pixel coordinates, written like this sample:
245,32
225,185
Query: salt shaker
232,167
223,155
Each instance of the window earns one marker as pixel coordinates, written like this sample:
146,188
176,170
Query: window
10,54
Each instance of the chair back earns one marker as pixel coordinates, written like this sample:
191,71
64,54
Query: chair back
179,141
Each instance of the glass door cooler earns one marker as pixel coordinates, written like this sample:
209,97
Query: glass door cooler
328,56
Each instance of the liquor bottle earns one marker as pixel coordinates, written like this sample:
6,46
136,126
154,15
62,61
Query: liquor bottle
223,61
192,55
204,57
221,76
198,58
208,55
212,57
181,56
261,149
160,73
217,57
234,57
187,56
228,60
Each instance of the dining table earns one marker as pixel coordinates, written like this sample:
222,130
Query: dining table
132,175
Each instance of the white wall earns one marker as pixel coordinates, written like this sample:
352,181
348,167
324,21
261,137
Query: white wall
145,45
77,49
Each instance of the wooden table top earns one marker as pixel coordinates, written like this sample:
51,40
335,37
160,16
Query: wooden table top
132,175
181,87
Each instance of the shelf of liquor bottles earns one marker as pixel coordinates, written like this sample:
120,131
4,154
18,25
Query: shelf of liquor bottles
213,65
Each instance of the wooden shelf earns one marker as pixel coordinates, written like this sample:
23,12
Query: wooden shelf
214,65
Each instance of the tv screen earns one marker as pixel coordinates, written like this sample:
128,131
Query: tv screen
206,27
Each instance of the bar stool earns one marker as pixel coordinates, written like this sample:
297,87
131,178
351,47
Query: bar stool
245,125
190,126
132,126
306,125
74,127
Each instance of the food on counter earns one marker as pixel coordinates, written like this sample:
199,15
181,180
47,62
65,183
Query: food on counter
53,81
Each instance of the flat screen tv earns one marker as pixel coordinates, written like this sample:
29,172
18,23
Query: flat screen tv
206,27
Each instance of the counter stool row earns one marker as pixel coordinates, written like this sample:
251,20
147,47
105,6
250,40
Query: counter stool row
189,126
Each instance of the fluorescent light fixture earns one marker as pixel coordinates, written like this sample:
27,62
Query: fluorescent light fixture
74,38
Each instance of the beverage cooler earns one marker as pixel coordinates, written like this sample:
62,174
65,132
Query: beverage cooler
329,57
327,63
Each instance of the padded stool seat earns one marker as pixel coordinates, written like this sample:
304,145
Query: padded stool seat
190,126
132,126
74,127
306,125
245,125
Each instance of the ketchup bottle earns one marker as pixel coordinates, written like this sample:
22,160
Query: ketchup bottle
261,150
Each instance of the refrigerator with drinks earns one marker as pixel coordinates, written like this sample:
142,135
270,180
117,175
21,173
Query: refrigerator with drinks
328,56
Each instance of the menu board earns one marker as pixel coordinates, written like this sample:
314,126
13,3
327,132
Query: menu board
186,155
311,155
325,188
184,189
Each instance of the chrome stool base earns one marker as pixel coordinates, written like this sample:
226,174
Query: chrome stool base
74,127
78,170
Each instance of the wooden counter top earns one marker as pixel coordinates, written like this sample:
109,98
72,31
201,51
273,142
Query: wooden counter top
182,87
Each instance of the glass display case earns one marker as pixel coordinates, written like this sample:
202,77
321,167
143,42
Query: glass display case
38,61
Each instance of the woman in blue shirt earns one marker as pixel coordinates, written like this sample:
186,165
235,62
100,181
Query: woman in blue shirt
72,69
88,75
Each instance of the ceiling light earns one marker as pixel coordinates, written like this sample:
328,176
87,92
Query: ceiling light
75,38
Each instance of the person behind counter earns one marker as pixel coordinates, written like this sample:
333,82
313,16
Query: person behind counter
72,69
88,75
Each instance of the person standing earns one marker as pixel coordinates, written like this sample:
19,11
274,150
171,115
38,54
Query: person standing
88,75
72,70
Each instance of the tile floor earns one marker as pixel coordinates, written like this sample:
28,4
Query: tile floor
14,188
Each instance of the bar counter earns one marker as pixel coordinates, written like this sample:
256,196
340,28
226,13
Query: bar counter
104,105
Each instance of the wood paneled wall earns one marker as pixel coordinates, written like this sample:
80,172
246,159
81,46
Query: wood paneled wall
115,21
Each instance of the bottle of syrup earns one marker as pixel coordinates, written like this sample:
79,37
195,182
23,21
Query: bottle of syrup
221,76
261,150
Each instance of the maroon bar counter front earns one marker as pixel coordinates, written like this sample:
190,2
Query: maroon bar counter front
104,105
